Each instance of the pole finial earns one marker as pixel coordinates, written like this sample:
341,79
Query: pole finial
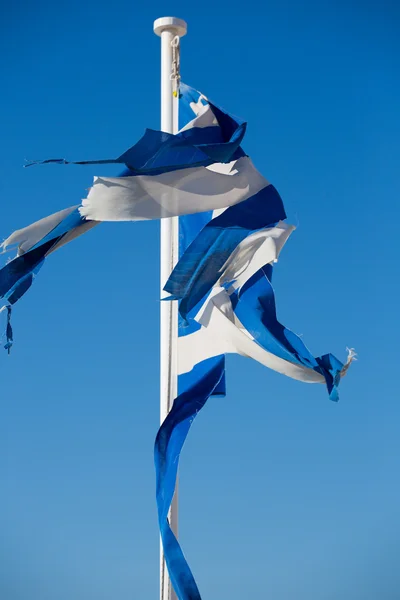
172,24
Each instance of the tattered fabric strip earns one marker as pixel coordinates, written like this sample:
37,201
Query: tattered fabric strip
200,266
255,307
157,152
9,331
34,243
245,323
173,193
168,445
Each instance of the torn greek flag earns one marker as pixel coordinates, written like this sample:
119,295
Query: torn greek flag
232,231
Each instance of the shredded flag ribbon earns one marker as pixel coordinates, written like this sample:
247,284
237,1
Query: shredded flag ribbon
9,331
233,228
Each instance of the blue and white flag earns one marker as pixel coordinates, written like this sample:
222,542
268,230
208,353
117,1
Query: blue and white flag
232,231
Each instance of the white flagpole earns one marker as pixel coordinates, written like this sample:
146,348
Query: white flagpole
168,28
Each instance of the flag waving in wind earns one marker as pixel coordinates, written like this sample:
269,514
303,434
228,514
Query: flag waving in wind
232,231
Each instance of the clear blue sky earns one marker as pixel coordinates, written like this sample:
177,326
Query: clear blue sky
284,494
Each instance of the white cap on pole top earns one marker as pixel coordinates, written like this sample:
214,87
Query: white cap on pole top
172,24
